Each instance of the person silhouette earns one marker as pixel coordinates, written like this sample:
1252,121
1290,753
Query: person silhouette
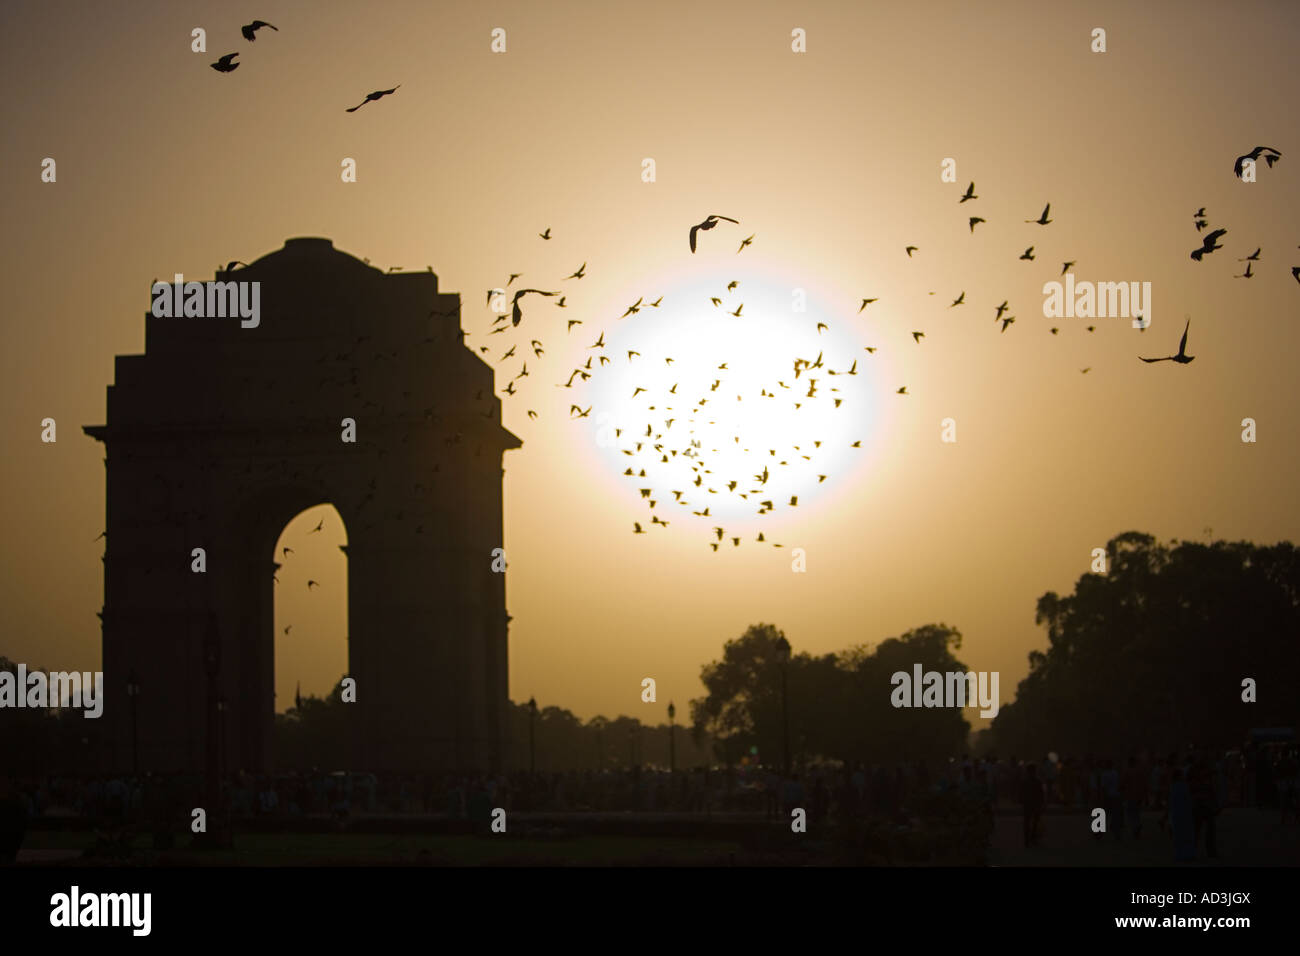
1031,799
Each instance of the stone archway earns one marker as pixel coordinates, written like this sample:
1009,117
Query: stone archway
224,430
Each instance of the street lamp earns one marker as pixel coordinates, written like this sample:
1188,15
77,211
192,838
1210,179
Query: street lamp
783,658
133,692
532,735
672,739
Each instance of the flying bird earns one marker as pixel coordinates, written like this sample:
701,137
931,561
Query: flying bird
1247,274
1028,254
865,303
708,224
249,29
960,300
312,584
1002,308
743,244
1209,243
1182,358
582,271
319,526
968,194
546,234
1253,257
1271,156
917,336
1042,219
973,221
1007,321
226,64
632,309
1065,267
373,96
516,314
909,250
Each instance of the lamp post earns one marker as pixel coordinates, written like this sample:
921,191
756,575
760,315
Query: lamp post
133,692
783,658
672,739
532,735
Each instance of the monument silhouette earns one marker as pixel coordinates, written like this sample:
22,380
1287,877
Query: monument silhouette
219,434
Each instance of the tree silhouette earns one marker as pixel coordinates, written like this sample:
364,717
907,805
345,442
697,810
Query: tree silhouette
839,704
1153,652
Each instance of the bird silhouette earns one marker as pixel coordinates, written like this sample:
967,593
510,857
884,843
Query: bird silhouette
1253,257
546,234
1028,254
1065,267
968,194
579,273
737,312
226,64
1209,243
909,250
708,224
516,314
632,309
312,584
1002,308
917,336
960,300
1247,274
865,303
1182,358
1007,321
318,527
973,221
1042,219
249,29
373,96
1271,156
743,244
285,552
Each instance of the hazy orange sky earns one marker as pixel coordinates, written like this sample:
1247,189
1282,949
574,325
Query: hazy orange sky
830,158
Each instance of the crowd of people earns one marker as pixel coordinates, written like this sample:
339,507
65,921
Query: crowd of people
1184,792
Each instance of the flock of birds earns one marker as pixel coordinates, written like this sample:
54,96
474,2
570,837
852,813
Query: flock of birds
671,428
652,441
227,64
687,444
